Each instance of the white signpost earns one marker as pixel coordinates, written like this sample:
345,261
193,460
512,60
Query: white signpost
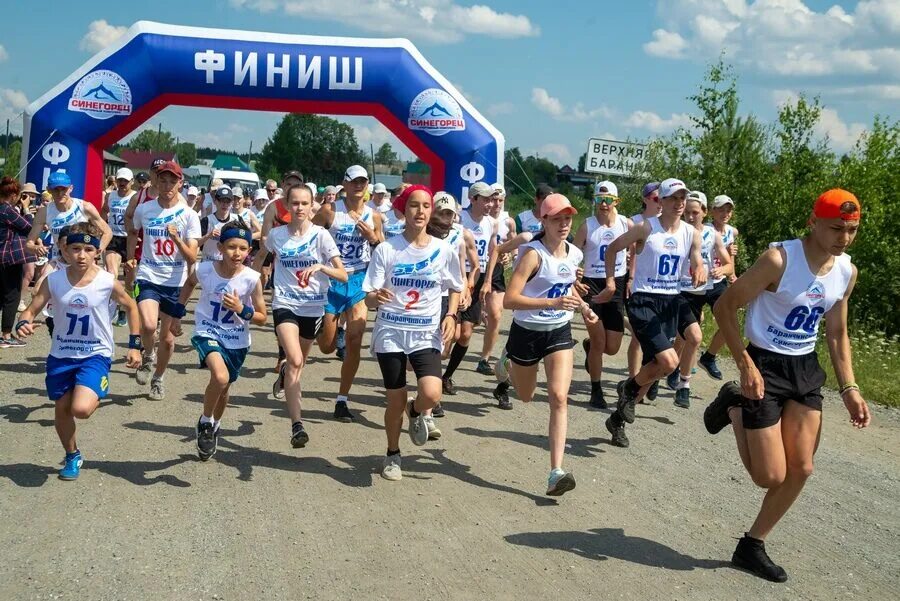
613,157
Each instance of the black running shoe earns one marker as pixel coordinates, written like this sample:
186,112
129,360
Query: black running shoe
438,411
619,438
708,363
653,391
625,404
342,412
299,437
672,379
502,396
206,441
598,401
715,417
751,555
447,385
484,368
683,398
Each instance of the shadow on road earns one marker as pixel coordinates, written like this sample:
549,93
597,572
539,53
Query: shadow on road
603,543
30,475
20,414
585,447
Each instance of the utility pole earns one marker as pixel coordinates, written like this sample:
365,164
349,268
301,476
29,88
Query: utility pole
159,136
250,153
372,152
6,150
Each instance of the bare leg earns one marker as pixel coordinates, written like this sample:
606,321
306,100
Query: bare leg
494,311
558,369
327,339
217,387
597,334
356,326
166,346
524,380
393,416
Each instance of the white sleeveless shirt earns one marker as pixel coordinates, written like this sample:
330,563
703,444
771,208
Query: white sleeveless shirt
482,231
554,278
787,321
597,239
82,316
293,254
529,223
727,238
211,246
57,220
708,253
391,225
355,251
117,205
502,227
213,320
657,269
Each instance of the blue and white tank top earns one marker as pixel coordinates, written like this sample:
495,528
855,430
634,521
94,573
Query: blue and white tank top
527,222
117,206
391,225
657,268
707,253
213,320
355,250
554,278
82,316
598,238
482,231
57,220
728,237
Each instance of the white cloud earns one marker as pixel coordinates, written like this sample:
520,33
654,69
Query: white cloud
666,44
100,34
4,55
869,92
438,21
842,135
500,108
652,122
554,107
12,103
558,153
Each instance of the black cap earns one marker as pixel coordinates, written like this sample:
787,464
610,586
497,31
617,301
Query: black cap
223,192
543,191
296,174
156,163
142,176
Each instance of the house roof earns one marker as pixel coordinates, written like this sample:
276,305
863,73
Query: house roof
109,157
141,159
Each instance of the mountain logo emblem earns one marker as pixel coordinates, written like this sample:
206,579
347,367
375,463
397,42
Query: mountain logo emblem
436,112
101,94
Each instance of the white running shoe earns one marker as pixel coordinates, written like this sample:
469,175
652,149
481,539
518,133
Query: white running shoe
391,468
502,368
433,431
418,430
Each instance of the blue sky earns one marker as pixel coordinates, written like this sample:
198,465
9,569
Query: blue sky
549,75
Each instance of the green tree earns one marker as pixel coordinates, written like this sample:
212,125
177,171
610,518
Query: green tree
13,159
320,147
187,154
155,140
385,155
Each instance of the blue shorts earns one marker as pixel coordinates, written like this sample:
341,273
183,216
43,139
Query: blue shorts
233,357
166,296
65,374
342,297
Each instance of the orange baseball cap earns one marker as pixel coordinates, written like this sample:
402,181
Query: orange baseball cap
556,204
837,204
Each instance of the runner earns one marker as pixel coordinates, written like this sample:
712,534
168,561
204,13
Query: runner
355,228
81,350
776,412
113,211
541,297
230,300
477,219
392,222
211,225
689,333
530,220
241,208
722,210
663,245
404,283
307,260
170,231
593,238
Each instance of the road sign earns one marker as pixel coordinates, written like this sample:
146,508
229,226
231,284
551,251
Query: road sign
612,157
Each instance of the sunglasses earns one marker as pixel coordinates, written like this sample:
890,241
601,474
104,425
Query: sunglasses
605,199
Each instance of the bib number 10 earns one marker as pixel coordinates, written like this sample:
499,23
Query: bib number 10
668,264
165,248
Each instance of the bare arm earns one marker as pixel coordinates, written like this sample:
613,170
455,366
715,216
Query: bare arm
34,245
97,221
38,301
325,216
698,265
726,266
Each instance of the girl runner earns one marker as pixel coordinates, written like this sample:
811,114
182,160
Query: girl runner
404,282
82,347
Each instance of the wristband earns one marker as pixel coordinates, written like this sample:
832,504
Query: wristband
134,341
246,313
178,310
452,316
848,386
22,323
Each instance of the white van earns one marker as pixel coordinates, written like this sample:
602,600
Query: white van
244,179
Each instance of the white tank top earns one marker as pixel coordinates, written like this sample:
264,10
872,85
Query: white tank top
708,253
117,205
597,239
787,321
554,278
293,254
57,220
727,238
657,269
355,251
502,227
456,240
213,320
482,232
529,223
82,317
417,277
391,225
211,246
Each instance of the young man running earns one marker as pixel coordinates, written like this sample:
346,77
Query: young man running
82,347
211,225
171,231
355,228
477,219
113,210
776,412
530,220
663,245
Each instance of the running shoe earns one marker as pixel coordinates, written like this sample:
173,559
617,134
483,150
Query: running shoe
418,430
447,385
12,343
751,555
598,401
626,402
4,342
390,469
673,378
501,393
72,466
484,368
206,441
142,375
683,398
502,369
559,482
438,411
342,412
278,385
120,320
617,431
709,365
653,391
715,417
157,390
299,437
433,431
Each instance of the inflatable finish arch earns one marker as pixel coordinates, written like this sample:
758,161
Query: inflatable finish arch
155,65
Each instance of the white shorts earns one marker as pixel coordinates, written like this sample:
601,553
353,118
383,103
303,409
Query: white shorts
391,339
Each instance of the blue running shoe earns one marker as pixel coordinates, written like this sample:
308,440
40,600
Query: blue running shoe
72,467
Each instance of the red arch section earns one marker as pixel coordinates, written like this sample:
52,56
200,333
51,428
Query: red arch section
94,176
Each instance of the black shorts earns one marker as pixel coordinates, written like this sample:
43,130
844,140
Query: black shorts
787,377
473,313
118,245
714,293
268,260
498,281
654,320
611,313
527,347
689,310
426,362
309,326
445,307
696,302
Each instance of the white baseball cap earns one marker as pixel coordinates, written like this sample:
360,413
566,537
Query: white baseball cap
312,188
444,200
721,200
499,189
260,194
670,186
355,171
606,187
124,173
379,188
698,196
193,191
237,191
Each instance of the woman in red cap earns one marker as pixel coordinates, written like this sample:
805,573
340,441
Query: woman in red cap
776,411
